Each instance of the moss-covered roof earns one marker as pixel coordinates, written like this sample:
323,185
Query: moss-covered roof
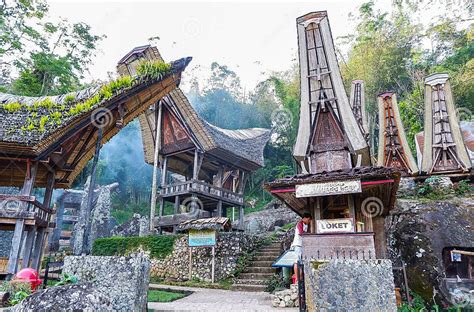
29,120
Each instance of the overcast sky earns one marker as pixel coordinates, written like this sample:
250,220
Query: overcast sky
252,38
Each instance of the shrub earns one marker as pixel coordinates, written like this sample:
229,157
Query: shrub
69,99
158,246
12,107
152,69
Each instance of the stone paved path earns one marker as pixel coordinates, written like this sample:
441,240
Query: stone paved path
217,300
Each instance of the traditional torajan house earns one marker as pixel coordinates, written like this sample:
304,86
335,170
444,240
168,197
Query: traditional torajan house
444,151
393,146
46,142
328,130
357,102
210,165
347,198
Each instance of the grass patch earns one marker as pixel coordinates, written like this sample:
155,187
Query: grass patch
155,295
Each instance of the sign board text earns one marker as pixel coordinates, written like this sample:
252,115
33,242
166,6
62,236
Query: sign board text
328,188
335,226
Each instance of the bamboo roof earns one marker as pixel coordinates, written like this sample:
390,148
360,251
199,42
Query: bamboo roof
66,141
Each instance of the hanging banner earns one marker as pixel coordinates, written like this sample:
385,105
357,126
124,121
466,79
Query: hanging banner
202,238
328,188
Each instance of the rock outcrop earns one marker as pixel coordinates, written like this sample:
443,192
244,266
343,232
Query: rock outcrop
75,297
124,279
273,216
100,218
137,226
420,232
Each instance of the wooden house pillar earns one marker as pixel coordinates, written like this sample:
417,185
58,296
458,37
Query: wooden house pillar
42,233
155,164
17,239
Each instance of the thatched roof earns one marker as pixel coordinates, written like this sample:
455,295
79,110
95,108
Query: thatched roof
216,223
13,122
59,132
243,147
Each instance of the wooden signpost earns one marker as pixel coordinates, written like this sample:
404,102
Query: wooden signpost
202,238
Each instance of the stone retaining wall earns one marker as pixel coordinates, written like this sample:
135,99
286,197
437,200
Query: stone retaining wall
350,285
230,246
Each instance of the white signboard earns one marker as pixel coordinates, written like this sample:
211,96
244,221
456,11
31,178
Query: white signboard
328,188
335,226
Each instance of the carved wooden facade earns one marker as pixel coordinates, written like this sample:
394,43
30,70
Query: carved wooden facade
444,150
329,137
393,147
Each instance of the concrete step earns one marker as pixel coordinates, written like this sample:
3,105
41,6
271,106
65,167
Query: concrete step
266,258
244,287
270,249
250,281
255,276
259,270
267,254
259,263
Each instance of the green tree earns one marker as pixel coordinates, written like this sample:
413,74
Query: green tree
50,57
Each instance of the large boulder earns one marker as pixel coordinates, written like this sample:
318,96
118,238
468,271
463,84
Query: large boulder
137,226
418,233
74,297
273,216
124,279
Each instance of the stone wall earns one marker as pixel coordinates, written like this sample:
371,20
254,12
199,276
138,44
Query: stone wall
350,285
228,249
123,279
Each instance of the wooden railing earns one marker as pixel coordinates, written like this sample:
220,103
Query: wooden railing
23,206
201,187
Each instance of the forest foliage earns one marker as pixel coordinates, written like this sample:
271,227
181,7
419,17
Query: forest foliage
391,50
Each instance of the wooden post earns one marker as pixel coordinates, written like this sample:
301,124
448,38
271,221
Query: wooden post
155,164
213,268
28,246
195,165
38,250
219,208
17,239
190,262
16,245
176,209
162,186
41,235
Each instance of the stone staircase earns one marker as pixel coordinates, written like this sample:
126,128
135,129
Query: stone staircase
256,275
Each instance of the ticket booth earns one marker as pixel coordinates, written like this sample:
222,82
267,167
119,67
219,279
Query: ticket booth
348,208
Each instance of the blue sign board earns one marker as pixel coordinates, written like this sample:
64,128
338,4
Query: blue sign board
202,238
